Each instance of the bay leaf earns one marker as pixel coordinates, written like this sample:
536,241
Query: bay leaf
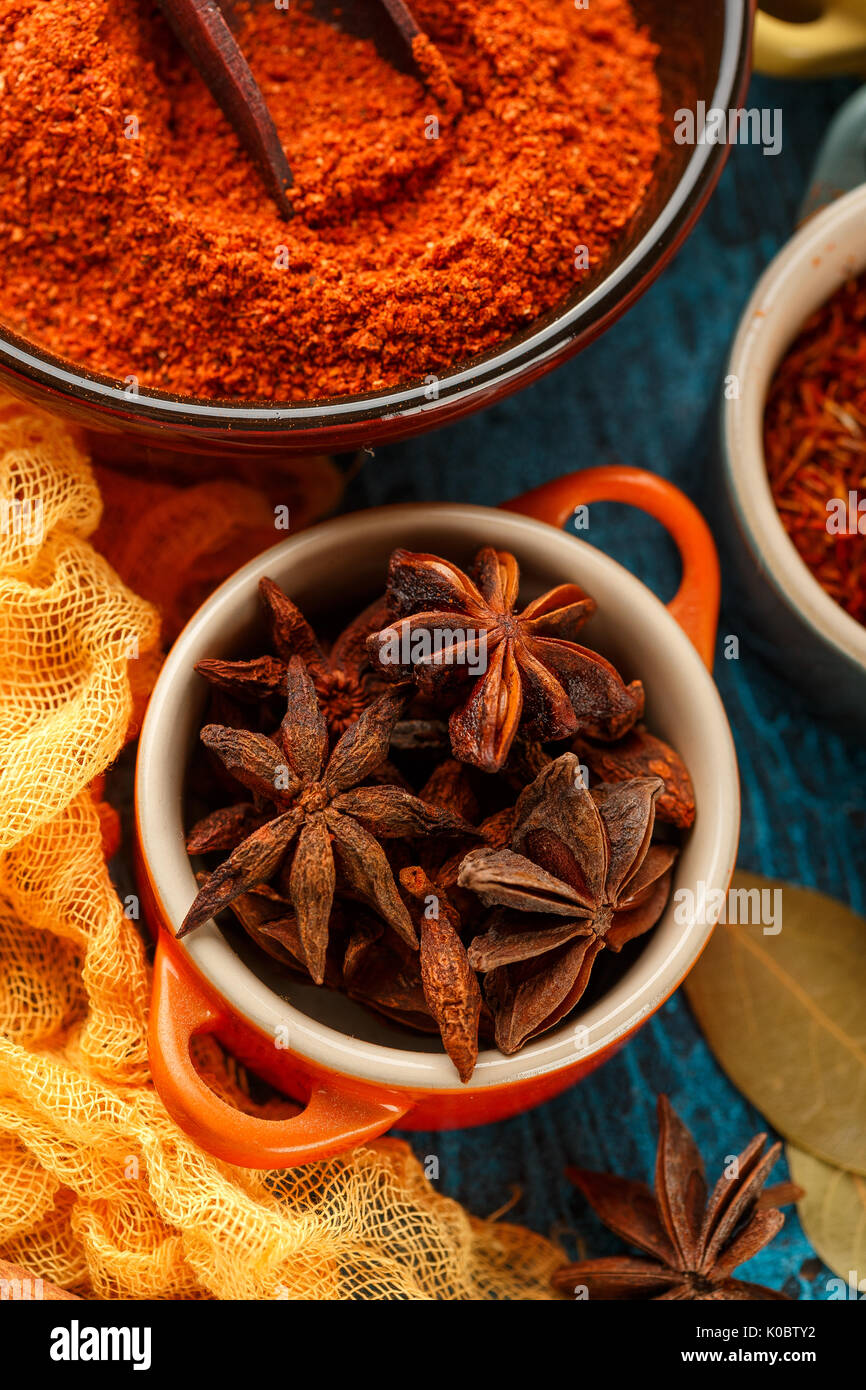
785,1015
833,1213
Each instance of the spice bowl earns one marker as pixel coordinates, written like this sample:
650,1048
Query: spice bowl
797,626
705,61
357,1074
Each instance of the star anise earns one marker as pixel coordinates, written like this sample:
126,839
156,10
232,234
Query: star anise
259,911
581,876
344,679
460,637
383,972
451,989
693,1244
640,754
450,785
322,817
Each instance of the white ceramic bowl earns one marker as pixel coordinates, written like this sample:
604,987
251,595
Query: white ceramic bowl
339,1043
802,631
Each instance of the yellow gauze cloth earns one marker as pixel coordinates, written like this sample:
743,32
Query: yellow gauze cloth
100,1193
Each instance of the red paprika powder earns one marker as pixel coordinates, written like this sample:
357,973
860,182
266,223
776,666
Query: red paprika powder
136,238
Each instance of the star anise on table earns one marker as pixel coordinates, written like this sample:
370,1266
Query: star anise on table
321,817
581,876
459,637
693,1245
344,679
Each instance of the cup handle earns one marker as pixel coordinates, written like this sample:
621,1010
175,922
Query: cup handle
834,43
332,1121
696,603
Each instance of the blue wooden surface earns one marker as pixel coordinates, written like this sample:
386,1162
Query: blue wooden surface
645,394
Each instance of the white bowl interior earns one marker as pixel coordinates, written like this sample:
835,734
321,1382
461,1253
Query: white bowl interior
827,251
342,563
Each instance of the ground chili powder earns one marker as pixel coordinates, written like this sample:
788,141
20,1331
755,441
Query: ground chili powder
137,239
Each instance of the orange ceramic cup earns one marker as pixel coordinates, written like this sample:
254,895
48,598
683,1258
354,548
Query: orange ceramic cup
358,1074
